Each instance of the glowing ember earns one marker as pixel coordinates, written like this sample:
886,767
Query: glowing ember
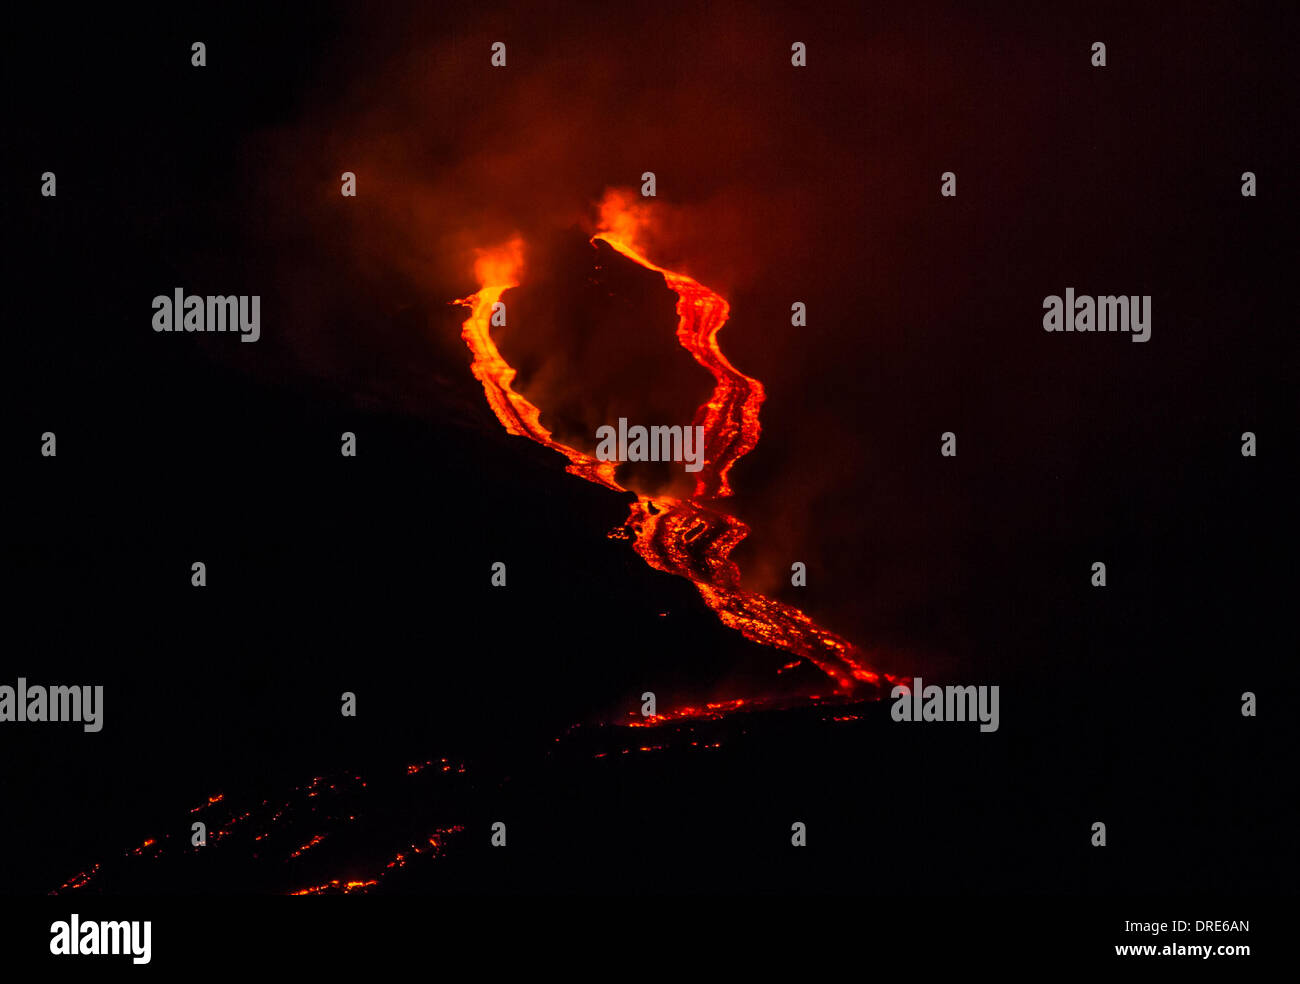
715,709
79,880
337,886
323,809
212,801
308,846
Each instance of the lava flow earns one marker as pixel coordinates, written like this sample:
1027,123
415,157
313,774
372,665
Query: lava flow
691,537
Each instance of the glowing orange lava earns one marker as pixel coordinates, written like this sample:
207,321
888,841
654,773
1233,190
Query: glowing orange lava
337,886
496,270
692,537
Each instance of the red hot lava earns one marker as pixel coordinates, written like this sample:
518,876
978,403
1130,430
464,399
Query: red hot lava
691,537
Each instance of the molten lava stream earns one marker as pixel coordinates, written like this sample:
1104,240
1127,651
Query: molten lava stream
692,537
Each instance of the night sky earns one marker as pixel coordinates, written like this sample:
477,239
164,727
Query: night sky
775,184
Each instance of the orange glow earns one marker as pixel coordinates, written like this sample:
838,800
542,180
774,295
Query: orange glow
154,848
623,218
79,880
336,886
308,846
693,537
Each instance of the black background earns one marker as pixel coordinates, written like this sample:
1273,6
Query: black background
371,574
